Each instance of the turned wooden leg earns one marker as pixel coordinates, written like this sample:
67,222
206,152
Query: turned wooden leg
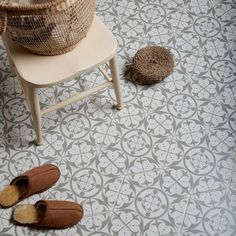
12,67
116,81
33,100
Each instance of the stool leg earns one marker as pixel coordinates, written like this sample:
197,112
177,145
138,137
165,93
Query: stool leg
116,80
12,67
33,100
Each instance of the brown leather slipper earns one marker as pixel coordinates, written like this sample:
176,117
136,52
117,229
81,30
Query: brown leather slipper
49,214
30,182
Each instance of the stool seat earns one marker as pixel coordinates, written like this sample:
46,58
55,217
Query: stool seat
42,71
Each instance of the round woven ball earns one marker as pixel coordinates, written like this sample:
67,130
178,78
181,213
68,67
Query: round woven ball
152,64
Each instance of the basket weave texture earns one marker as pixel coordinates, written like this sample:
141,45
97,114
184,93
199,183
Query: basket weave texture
152,64
49,28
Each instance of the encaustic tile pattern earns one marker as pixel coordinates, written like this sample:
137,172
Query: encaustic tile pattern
165,164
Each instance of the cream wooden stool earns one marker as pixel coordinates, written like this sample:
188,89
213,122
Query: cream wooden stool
36,71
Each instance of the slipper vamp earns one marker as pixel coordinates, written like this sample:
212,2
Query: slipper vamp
59,214
38,179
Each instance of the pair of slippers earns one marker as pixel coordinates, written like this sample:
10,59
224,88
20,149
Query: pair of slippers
44,213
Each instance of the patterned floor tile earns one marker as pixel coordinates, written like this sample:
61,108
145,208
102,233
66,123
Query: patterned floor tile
162,166
211,213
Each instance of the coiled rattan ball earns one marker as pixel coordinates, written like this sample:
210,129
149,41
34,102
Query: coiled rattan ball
151,64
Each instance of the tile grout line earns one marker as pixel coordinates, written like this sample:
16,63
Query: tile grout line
185,211
232,172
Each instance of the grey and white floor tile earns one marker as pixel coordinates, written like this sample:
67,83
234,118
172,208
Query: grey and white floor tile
165,165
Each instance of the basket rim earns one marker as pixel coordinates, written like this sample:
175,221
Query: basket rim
30,7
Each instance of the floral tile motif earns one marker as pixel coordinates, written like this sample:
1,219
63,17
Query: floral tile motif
211,213
163,165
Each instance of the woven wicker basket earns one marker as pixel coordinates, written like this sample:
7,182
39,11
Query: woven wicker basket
47,27
151,65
